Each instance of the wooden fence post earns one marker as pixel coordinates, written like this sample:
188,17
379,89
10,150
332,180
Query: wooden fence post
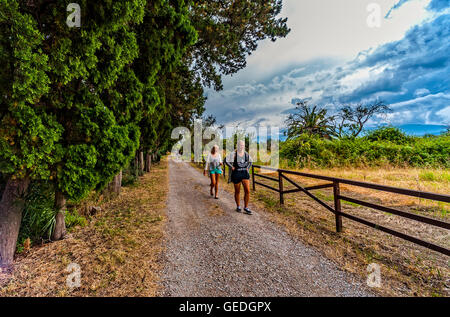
337,206
253,178
280,187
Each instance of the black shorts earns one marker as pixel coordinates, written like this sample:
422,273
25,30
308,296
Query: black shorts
238,176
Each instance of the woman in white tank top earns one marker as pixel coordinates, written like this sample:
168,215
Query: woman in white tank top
214,168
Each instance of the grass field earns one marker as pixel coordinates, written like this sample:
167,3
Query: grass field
428,180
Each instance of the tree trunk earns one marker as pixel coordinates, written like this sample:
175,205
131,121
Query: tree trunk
117,183
11,207
141,162
136,165
60,225
148,162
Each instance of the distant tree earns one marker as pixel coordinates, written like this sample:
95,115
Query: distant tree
351,119
389,133
209,121
309,119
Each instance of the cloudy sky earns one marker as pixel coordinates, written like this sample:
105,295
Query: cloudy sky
333,56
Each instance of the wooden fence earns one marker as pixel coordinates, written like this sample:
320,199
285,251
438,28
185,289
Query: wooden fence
336,209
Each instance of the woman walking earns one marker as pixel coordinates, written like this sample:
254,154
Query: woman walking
240,162
213,166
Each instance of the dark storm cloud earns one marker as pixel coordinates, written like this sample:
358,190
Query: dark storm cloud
411,74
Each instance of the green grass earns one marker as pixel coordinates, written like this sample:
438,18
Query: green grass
73,219
428,176
319,194
435,177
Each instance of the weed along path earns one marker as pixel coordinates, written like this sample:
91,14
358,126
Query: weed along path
211,250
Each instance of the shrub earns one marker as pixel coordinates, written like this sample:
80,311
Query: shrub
73,219
368,151
391,134
38,218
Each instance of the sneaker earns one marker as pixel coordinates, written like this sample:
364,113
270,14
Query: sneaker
247,211
238,209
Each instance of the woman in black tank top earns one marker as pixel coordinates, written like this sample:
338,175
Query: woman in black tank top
240,175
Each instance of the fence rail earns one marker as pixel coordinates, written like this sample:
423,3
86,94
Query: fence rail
336,209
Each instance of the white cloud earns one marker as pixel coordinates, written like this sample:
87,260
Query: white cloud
317,61
329,29
421,92
445,115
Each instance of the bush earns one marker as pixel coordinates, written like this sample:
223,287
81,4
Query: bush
73,219
390,134
38,218
130,174
383,147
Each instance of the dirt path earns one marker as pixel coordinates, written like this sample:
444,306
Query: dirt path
214,251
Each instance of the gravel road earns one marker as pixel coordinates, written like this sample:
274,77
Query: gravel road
211,250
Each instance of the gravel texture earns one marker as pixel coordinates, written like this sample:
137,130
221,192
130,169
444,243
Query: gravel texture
211,250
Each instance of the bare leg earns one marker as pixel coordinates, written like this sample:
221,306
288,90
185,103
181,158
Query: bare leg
212,176
217,184
237,189
246,184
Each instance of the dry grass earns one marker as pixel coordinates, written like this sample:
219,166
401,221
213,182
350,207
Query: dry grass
118,252
407,269
430,180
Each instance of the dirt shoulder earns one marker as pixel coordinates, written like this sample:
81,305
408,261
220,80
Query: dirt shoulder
118,251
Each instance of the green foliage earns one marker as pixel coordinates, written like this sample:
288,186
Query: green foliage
427,176
390,134
38,218
73,219
130,174
168,86
77,103
28,135
313,151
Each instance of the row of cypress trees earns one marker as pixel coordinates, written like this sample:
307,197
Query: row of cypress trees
79,103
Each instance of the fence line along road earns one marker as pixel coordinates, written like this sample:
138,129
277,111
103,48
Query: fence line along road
337,209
